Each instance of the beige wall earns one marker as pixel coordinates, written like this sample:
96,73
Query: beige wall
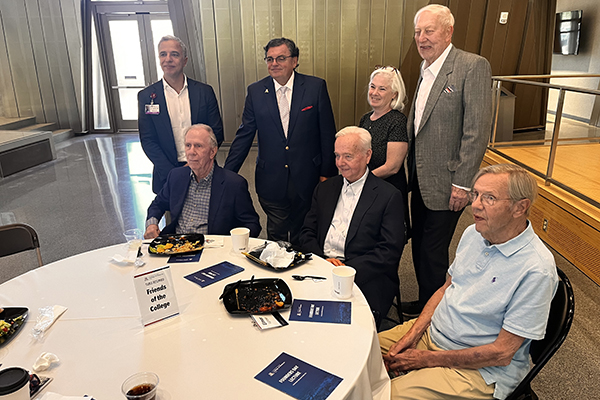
586,62
339,40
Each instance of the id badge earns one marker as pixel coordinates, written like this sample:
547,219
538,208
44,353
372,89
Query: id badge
152,109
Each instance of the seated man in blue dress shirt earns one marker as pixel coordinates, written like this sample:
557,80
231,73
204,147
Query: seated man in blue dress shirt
472,339
201,196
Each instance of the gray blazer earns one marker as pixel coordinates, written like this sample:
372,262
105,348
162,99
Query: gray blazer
454,130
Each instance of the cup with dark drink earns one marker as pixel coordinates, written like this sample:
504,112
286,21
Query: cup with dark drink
141,386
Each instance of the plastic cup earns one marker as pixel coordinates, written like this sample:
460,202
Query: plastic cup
343,281
239,239
134,238
141,386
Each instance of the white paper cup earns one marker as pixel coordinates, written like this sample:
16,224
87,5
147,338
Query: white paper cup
239,239
14,384
343,281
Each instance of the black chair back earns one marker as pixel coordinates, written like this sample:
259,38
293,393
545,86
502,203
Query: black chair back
560,319
15,238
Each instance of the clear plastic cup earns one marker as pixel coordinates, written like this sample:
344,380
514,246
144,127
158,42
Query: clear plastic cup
141,386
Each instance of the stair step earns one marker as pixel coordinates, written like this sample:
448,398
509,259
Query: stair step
15,123
61,135
49,126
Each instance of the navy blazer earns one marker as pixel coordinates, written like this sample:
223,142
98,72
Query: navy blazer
156,132
230,203
304,155
375,238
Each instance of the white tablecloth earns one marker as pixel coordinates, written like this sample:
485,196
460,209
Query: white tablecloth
202,353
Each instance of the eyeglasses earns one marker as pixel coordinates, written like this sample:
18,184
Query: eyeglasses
279,59
385,67
487,199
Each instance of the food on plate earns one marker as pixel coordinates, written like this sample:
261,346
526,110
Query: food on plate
176,245
260,299
9,326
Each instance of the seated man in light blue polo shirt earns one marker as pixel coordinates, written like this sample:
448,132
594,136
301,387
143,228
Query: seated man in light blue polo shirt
472,338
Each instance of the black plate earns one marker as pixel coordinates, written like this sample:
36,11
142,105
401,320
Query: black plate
299,258
247,297
12,313
175,240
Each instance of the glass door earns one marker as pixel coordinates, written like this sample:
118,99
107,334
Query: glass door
128,46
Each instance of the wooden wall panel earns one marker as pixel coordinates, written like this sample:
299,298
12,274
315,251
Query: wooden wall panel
342,40
203,12
71,16
392,45
43,69
42,66
20,57
348,55
332,60
8,99
364,64
339,40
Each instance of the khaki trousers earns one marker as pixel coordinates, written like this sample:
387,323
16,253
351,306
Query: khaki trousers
433,383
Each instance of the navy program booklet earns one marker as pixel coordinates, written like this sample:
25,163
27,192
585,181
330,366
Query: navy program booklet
337,312
214,273
298,379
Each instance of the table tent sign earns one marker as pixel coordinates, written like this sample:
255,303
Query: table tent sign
156,296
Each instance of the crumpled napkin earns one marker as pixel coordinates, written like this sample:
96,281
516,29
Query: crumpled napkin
48,316
277,256
44,361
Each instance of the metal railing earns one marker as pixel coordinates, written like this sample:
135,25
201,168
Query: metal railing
525,80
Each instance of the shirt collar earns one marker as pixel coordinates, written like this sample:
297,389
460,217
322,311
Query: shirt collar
207,178
289,84
515,244
435,67
166,86
359,183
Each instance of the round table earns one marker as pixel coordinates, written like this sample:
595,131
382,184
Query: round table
202,353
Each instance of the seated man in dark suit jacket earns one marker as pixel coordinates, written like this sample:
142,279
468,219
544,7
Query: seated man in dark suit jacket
202,197
356,219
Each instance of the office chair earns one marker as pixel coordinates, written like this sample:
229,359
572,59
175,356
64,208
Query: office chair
559,323
15,238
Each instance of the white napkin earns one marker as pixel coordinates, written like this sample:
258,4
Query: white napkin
277,256
212,242
56,396
44,361
48,316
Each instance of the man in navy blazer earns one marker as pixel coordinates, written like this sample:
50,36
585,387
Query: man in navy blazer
293,116
202,197
356,219
170,106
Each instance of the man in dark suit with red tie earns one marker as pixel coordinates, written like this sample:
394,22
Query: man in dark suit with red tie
167,108
296,128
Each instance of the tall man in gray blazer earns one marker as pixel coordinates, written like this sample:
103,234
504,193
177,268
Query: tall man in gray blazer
449,127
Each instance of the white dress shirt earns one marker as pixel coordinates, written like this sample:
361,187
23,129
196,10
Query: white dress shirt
178,106
335,241
290,86
428,75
